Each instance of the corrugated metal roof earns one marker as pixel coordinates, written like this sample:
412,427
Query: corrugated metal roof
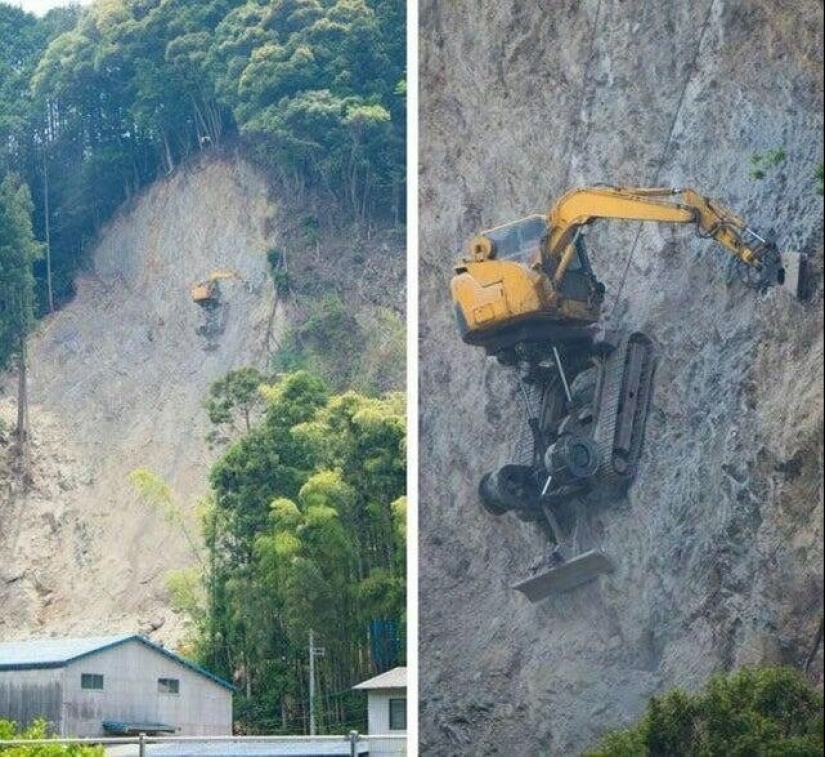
55,653
52,653
392,679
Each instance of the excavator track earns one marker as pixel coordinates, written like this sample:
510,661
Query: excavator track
625,390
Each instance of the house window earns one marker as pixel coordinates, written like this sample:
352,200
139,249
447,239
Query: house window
91,681
398,714
168,685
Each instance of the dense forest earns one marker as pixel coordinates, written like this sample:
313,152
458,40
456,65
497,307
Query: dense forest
304,530
97,102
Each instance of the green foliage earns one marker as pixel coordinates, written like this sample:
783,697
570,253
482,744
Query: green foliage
328,342
383,363
306,533
277,267
158,495
37,731
763,163
18,250
770,711
185,587
234,398
368,352
310,227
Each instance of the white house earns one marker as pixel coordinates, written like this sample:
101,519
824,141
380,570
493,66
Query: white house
386,712
112,685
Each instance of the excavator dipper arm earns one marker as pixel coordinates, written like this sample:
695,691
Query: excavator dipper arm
580,207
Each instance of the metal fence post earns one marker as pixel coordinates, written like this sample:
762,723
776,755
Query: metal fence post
353,744
142,745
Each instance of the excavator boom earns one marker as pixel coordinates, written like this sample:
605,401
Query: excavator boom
583,206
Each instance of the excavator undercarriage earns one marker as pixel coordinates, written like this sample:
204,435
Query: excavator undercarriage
587,403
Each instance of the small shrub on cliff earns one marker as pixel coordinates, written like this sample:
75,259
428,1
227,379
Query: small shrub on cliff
329,342
767,711
277,268
763,163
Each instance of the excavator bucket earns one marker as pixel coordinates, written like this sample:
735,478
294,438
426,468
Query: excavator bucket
795,267
571,573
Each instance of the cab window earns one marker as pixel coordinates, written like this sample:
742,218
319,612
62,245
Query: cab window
519,240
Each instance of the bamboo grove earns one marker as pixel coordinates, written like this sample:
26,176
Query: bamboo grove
304,530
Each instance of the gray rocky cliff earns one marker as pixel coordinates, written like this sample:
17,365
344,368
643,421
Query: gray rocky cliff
719,543
118,378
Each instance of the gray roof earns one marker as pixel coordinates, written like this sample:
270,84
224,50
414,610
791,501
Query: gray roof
56,653
41,653
392,679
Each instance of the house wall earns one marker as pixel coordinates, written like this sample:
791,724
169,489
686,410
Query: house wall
130,694
26,695
378,716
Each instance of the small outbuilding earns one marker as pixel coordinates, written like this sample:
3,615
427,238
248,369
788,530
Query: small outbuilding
111,685
386,711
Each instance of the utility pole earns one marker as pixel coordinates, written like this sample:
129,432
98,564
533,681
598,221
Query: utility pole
313,653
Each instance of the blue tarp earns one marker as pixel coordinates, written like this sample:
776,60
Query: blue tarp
117,728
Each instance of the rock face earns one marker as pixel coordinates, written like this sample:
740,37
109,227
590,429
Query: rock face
117,382
719,543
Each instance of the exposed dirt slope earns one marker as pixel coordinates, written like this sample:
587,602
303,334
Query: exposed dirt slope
719,544
117,382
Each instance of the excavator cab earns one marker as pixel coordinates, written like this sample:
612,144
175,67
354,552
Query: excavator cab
203,293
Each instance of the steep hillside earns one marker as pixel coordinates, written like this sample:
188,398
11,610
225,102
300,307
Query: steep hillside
719,544
118,378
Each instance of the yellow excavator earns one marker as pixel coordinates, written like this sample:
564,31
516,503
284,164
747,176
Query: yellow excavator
527,294
207,293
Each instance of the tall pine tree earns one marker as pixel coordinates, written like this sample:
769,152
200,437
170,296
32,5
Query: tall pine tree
18,251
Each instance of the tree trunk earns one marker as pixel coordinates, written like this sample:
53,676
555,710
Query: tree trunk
167,153
48,234
22,431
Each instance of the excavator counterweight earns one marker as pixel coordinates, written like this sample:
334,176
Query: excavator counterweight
527,294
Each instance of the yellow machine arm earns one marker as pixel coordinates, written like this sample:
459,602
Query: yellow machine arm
583,206
222,273
522,275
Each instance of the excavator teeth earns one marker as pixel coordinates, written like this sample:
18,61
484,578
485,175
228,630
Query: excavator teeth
580,569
